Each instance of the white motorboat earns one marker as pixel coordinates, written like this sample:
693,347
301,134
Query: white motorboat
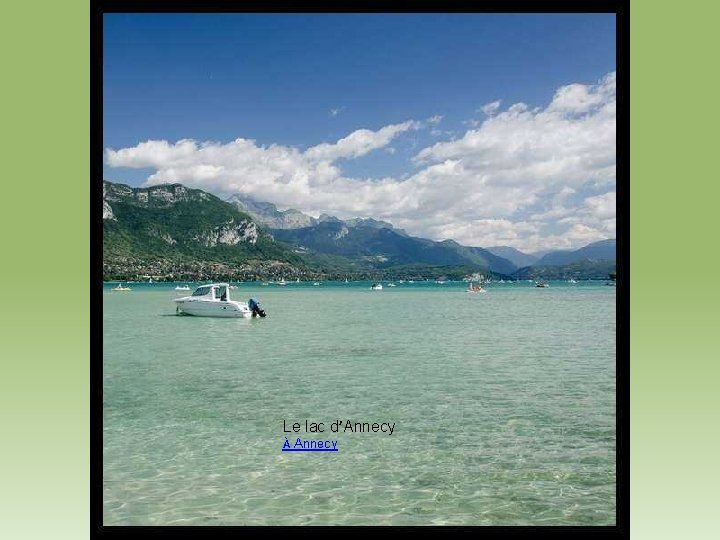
316,284
183,288
282,282
391,285
213,300
376,287
121,288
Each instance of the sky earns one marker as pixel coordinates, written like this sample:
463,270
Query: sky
486,129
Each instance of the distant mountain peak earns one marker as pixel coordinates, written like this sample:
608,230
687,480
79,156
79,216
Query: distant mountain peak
324,218
369,222
267,213
450,242
515,256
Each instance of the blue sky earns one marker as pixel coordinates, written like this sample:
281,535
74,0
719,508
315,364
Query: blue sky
298,81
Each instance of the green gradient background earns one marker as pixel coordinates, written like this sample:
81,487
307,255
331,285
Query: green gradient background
44,235
44,373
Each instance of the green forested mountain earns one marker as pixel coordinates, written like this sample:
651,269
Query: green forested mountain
158,229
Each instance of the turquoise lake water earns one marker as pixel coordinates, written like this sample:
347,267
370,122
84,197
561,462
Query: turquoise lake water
503,404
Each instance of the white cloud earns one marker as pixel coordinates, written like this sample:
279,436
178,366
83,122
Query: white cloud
151,154
602,206
494,232
489,109
580,98
511,179
359,142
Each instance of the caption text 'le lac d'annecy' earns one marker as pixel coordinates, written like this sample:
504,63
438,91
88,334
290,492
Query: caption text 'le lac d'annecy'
309,445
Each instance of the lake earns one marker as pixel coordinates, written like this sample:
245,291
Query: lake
503,404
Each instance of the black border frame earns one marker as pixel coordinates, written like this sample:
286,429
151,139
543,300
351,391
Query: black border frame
620,8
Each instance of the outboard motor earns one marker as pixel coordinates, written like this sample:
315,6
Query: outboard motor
256,308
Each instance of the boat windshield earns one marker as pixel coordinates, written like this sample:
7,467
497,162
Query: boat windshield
201,291
221,292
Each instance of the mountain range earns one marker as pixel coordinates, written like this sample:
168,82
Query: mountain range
604,250
366,241
173,232
351,238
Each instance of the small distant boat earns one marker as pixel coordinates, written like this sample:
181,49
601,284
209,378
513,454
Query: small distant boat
213,300
282,282
542,284
183,288
472,288
571,281
265,284
297,280
316,284
376,287
346,280
401,281
440,282
121,288
391,285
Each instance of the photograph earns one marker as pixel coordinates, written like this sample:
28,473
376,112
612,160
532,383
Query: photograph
360,269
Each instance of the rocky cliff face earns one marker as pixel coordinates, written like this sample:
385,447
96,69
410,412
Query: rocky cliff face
107,211
343,232
230,234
